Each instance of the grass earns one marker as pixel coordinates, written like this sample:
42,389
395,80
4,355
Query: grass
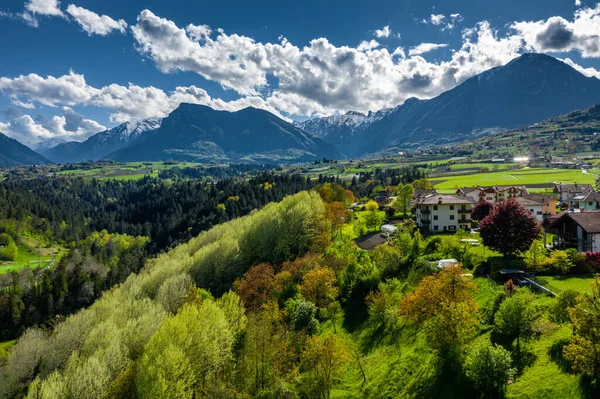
514,177
28,256
573,281
5,348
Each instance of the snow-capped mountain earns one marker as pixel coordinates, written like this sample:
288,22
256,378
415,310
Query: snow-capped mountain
101,144
530,88
338,128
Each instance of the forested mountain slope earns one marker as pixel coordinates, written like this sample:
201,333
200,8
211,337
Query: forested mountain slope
13,153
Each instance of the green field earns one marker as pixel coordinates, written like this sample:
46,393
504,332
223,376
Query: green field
514,177
28,256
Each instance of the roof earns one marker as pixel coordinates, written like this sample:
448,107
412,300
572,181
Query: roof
540,197
444,199
573,188
591,196
589,221
504,188
528,201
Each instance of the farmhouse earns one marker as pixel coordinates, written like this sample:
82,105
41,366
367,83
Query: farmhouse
589,201
580,230
567,192
443,212
493,194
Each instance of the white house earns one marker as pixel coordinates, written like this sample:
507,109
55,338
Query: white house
443,212
534,207
567,192
493,194
580,230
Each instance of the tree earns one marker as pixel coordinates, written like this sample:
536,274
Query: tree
405,195
304,316
422,184
373,220
489,367
443,304
515,317
8,248
565,300
509,228
334,313
336,215
481,210
318,286
256,286
372,206
536,256
323,358
584,350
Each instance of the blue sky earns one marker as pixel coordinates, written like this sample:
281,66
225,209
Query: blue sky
68,70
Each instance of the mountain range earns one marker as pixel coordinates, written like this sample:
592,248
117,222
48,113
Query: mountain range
528,89
101,144
13,153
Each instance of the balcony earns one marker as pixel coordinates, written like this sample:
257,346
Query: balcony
425,222
425,212
464,211
464,221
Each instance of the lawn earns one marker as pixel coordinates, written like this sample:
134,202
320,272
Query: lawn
573,281
514,177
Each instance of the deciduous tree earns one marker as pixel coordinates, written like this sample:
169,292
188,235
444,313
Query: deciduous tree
489,367
509,228
515,317
256,286
318,286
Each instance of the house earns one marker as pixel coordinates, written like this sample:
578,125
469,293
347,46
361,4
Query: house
589,201
566,192
383,198
536,208
580,230
493,194
550,203
443,212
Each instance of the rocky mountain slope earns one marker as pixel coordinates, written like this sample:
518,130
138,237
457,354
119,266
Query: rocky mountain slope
13,153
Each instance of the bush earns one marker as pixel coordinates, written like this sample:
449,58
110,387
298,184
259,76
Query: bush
560,262
578,260
489,367
592,260
560,309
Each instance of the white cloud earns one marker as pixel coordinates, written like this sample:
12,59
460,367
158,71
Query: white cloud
44,7
443,21
556,34
578,3
93,23
425,48
68,126
591,72
365,46
383,32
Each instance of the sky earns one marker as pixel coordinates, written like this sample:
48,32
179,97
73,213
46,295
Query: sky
71,69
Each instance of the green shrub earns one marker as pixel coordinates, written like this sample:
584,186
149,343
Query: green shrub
560,309
489,367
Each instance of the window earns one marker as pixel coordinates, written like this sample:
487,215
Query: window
590,203
463,207
539,212
435,208
451,207
451,227
435,217
451,217
435,228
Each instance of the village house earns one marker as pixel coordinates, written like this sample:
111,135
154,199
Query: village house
493,194
566,192
549,203
580,230
536,208
443,212
589,201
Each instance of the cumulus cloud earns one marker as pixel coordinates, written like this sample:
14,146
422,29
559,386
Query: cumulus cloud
370,45
383,32
425,48
44,7
95,24
556,34
69,125
578,3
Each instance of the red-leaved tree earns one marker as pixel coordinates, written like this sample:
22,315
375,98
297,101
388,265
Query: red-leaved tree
481,210
509,228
